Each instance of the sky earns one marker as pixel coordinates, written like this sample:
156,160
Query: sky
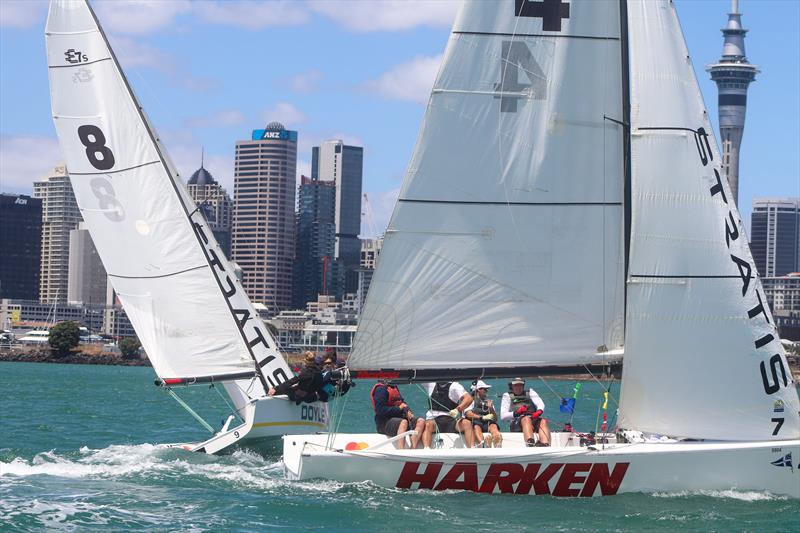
209,72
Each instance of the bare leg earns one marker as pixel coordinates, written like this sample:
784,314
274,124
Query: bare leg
544,432
478,433
466,427
497,437
420,429
427,437
527,428
402,428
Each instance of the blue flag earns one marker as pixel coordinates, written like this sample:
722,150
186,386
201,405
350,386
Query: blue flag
567,405
786,460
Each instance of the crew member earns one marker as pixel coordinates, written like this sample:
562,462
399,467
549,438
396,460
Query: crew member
484,417
448,400
392,414
307,386
524,411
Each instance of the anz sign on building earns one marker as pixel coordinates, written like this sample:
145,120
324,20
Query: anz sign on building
273,134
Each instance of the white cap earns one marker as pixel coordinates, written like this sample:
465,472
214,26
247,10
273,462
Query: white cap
481,385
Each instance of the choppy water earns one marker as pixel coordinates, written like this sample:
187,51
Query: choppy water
81,448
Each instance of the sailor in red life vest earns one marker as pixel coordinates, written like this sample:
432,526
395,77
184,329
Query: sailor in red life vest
448,400
524,411
392,414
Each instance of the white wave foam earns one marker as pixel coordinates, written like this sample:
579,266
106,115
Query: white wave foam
742,495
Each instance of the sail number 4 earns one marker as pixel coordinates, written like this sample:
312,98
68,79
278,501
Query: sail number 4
102,158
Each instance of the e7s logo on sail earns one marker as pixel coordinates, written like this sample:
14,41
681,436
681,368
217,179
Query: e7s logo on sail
75,56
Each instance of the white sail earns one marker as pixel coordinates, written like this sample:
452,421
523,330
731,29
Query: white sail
187,307
702,356
505,245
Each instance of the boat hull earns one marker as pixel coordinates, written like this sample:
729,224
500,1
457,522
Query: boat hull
265,420
562,470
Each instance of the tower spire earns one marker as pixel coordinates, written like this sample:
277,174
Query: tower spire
732,74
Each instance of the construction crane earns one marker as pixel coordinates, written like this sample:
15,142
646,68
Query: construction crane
368,214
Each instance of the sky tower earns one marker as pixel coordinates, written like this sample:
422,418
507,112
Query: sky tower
732,75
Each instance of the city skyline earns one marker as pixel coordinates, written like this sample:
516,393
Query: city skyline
375,63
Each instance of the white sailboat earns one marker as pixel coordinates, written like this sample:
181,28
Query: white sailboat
188,308
564,205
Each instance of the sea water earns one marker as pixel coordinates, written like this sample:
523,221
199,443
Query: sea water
82,448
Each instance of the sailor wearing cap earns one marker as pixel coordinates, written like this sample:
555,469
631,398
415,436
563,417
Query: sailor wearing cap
483,417
524,411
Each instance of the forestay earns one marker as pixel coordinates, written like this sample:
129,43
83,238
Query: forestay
504,249
189,310
702,357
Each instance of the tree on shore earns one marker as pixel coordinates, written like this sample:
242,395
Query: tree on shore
64,336
129,348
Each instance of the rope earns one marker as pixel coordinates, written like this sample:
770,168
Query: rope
190,410
557,395
601,384
231,408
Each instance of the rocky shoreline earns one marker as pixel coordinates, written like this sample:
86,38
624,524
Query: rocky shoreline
76,357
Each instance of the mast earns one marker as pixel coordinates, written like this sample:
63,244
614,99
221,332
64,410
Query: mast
626,146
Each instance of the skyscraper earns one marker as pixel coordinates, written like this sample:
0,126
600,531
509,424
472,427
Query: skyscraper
343,165
775,235
60,215
20,246
732,75
216,205
87,280
316,236
263,241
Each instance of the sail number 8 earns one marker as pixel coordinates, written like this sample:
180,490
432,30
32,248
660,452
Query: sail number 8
95,142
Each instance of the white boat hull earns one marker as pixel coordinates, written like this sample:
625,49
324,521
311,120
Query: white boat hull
267,419
565,469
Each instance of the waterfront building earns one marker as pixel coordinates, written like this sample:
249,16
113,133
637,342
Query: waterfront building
733,75
342,164
60,215
216,205
775,235
20,246
316,234
87,280
783,295
370,250
263,239
29,314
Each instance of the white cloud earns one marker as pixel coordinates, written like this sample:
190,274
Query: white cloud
285,113
22,13
388,15
220,119
253,15
24,159
135,53
139,16
410,82
307,82
378,212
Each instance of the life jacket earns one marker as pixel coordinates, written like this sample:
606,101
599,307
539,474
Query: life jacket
440,397
522,399
395,398
482,407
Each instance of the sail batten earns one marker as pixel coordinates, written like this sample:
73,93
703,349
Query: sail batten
178,290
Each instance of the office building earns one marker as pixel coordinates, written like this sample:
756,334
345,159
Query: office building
263,240
370,250
316,240
783,295
87,280
216,205
775,235
60,215
20,246
336,162
733,75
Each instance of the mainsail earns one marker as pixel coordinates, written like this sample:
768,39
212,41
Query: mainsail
505,248
702,355
181,295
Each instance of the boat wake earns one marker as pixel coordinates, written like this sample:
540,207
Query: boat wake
742,495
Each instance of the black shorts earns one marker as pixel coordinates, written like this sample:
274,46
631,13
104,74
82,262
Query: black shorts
516,424
484,424
447,424
391,426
